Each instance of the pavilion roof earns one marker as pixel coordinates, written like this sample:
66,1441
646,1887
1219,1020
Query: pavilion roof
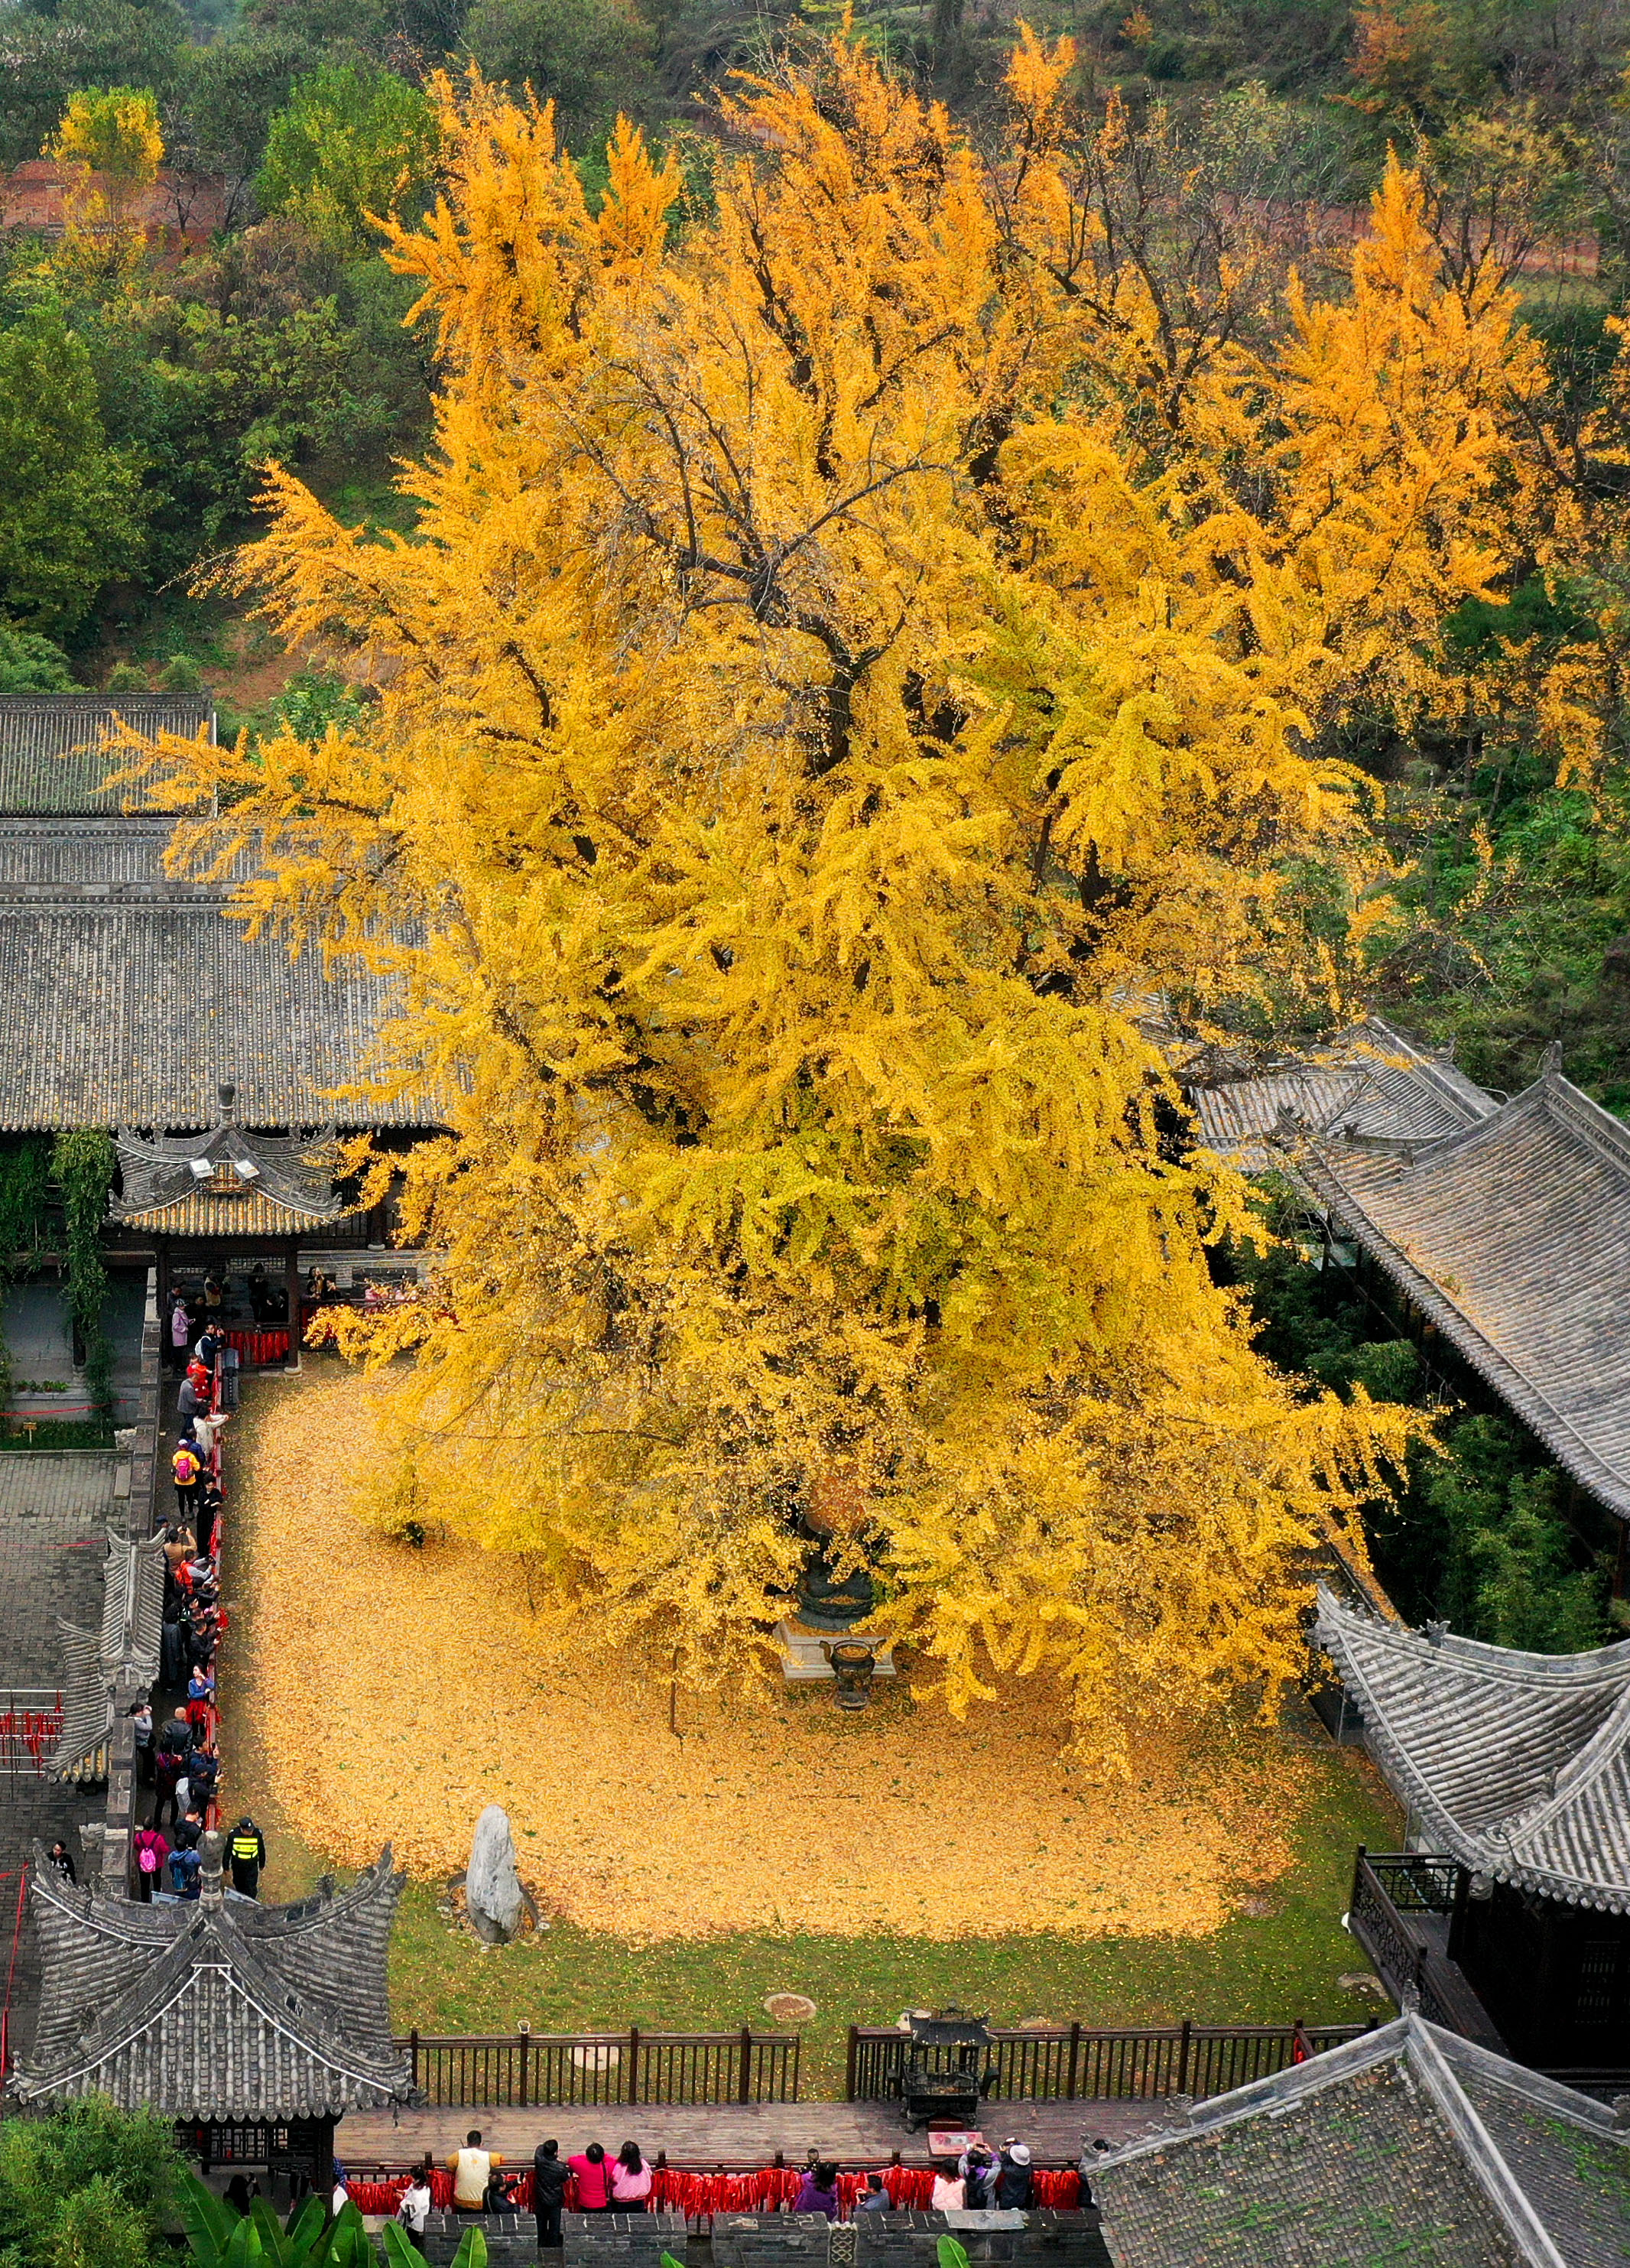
1409,2143
220,2009
231,1180
1513,1236
1516,1763
111,970
1370,1081
52,755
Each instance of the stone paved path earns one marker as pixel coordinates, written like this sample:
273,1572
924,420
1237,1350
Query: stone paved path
867,2134
53,1515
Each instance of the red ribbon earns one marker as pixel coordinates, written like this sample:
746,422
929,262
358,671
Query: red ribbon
771,2189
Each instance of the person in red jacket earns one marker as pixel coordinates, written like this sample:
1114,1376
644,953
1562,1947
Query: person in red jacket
594,2179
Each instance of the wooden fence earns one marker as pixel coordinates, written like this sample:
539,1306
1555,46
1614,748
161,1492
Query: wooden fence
1073,2064
1068,2063
524,2067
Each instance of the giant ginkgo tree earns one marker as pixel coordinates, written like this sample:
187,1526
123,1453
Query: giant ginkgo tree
863,648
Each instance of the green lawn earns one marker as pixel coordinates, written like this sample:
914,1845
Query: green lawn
1268,1968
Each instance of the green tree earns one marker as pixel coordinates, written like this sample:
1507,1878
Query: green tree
352,141
51,51
30,664
70,518
91,2187
589,58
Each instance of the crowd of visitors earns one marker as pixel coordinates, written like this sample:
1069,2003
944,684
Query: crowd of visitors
475,2180
179,1759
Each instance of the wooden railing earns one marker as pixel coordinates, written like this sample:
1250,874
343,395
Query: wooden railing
1077,2062
520,2068
1392,1889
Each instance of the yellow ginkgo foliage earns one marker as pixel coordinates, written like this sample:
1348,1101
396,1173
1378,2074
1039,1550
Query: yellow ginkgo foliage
855,656
113,130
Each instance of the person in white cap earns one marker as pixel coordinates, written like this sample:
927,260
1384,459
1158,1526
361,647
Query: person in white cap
1015,2187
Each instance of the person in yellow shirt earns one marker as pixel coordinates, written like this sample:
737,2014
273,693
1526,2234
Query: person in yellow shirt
472,2169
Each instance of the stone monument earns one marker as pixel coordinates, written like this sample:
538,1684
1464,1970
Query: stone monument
493,1896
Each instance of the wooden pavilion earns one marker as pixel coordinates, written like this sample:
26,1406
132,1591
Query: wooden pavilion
1514,1770
254,2027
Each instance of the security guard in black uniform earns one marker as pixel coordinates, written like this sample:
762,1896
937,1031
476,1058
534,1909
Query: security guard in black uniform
247,1849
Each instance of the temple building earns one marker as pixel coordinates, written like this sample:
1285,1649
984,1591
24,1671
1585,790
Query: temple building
1508,1917
1408,2144
1503,1226
131,1001
253,2027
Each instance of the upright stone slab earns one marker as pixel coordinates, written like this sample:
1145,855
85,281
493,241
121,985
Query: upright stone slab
492,1887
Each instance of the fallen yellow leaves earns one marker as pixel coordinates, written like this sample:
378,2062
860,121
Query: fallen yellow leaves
395,1692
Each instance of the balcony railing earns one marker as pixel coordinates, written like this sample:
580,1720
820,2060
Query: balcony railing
1396,1897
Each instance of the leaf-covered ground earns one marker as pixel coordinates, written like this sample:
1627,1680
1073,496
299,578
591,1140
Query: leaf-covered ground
374,1692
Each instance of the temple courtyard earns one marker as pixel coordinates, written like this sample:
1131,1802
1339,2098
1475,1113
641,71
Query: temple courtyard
690,1860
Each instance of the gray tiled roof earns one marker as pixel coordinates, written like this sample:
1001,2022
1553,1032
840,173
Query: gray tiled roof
51,746
131,1013
1406,2145
1514,1238
292,1172
130,1640
228,2011
133,1606
82,1747
1517,1764
1370,1079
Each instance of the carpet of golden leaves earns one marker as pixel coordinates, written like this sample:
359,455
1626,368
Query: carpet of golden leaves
395,1692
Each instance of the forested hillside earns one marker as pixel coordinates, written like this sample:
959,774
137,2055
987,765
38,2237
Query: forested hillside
220,298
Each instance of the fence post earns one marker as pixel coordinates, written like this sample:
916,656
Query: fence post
1075,2057
1183,2056
634,2094
743,2095
524,2039
413,2050
848,2071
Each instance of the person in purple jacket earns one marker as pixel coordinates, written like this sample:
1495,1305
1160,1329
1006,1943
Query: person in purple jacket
819,2192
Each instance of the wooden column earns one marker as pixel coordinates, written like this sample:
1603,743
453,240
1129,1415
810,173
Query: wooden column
291,1277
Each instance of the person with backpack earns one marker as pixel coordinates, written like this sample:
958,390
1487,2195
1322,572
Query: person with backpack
549,2177
185,1867
246,1850
152,1849
188,1466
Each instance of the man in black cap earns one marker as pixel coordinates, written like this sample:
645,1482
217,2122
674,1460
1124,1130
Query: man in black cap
247,1849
